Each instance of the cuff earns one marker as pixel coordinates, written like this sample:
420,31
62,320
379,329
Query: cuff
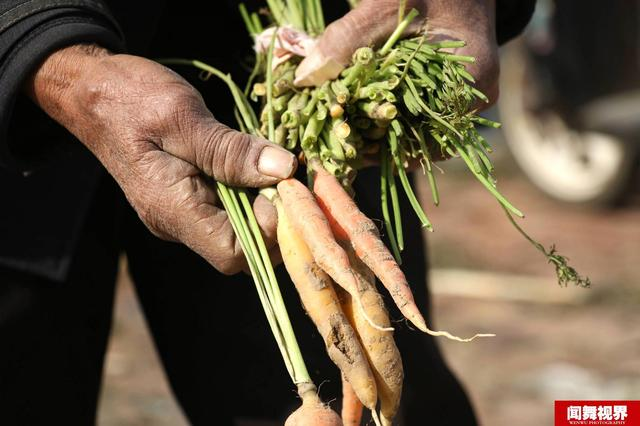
511,18
28,137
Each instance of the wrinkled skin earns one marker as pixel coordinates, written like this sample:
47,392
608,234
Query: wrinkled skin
154,134
372,21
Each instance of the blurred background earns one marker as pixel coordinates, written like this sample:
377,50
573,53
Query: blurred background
567,156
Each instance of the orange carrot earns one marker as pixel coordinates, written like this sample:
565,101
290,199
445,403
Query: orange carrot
307,218
351,405
321,303
379,346
347,219
312,412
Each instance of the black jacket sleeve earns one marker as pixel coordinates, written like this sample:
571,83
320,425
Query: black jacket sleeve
511,18
29,31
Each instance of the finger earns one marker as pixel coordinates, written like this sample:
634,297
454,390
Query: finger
486,67
369,24
207,229
275,255
267,218
176,202
232,157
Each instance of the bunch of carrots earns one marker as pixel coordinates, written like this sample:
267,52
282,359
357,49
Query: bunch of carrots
402,102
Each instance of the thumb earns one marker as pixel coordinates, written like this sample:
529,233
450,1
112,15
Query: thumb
240,159
366,25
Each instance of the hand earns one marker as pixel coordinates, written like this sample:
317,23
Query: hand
154,134
371,23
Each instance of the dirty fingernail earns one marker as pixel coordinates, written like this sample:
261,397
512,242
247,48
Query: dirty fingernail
276,162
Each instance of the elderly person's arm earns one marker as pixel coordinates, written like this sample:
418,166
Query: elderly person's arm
155,136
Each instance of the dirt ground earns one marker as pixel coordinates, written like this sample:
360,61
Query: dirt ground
551,343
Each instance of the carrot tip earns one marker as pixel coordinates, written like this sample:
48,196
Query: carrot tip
456,338
419,322
376,419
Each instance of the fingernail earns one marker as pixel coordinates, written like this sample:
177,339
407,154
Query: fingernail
316,68
276,162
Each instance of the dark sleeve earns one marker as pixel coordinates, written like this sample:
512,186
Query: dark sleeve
511,18
29,31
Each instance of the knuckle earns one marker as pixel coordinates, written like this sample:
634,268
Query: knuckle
340,38
173,109
93,94
151,218
223,153
230,258
229,267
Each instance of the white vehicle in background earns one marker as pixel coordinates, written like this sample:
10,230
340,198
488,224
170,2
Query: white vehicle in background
570,99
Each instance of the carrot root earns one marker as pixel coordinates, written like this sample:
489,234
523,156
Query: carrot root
312,412
379,346
319,299
310,221
376,419
351,406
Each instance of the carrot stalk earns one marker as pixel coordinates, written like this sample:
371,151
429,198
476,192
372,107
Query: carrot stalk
404,179
384,188
395,205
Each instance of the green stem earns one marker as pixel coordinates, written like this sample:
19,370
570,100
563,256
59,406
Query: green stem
247,19
250,120
404,179
236,220
426,156
384,177
269,83
294,9
564,272
501,199
277,8
395,204
293,349
397,33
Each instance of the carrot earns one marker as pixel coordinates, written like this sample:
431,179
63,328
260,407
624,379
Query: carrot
346,219
312,412
379,346
307,218
321,303
351,405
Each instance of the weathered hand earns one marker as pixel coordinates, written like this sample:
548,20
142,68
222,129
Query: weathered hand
371,23
154,134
